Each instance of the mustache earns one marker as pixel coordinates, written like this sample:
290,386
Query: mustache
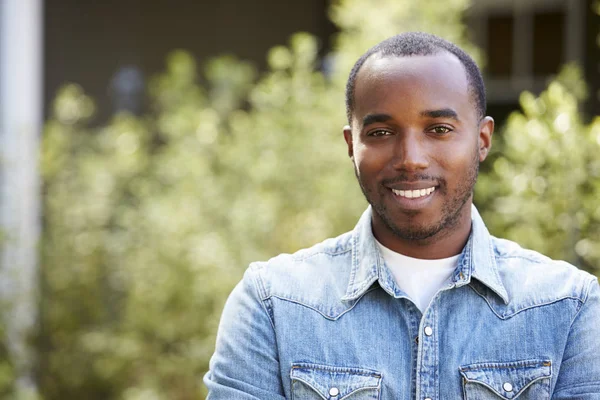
404,177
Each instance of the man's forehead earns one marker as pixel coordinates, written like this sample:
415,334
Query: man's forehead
440,76
387,66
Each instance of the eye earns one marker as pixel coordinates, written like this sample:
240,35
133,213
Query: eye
379,133
440,130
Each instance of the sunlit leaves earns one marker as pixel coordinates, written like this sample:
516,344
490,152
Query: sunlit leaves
150,220
543,188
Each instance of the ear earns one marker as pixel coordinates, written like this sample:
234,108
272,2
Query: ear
486,130
348,138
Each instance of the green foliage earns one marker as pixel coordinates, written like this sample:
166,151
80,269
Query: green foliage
149,221
365,24
543,186
7,371
135,252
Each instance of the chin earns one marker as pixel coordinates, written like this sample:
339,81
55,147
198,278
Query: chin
416,232
415,228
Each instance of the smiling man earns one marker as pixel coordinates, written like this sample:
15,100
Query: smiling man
419,301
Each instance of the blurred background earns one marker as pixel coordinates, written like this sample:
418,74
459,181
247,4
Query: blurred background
149,150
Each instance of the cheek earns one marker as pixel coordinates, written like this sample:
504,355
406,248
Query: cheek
368,166
460,158
462,169
372,158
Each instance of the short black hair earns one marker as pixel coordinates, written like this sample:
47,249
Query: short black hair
419,44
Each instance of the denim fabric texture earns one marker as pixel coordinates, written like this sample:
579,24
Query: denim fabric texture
329,322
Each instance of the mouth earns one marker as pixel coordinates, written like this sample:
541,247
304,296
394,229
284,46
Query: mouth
413,199
415,193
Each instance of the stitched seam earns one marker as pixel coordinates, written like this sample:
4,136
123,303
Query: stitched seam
360,389
592,385
526,308
587,292
354,266
589,288
344,370
516,394
311,255
259,286
308,384
317,310
581,303
486,300
365,285
495,268
533,260
506,365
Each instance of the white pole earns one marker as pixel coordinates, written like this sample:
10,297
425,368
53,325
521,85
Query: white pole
21,49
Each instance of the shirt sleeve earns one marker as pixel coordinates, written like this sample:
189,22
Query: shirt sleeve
245,365
579,374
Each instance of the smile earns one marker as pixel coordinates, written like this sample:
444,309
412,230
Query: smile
413,194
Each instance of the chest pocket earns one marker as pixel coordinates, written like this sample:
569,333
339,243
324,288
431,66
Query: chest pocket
522,380
313,381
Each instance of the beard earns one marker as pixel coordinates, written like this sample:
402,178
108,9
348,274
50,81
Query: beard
451,210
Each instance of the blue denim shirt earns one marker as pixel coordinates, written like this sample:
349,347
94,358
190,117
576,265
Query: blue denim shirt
330,322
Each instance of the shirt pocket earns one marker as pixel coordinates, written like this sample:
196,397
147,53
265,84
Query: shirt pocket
314,381
522,380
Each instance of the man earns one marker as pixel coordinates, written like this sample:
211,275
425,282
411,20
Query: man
418,301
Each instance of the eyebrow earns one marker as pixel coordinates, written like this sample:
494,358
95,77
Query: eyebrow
441,113
373,118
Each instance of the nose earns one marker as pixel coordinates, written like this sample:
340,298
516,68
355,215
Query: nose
410,152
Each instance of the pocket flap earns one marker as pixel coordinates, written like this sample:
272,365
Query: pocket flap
507,379
327,380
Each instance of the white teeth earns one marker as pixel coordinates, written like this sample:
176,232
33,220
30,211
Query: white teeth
412,194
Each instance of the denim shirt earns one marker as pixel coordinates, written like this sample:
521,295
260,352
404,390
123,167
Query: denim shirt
330,322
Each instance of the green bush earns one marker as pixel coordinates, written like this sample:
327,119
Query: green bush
149,221
543,186
7,371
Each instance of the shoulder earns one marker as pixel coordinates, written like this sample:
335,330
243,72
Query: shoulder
316,277
533,278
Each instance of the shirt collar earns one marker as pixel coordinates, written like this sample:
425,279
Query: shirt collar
482,261
477,260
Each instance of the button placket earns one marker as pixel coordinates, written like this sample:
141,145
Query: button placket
427,361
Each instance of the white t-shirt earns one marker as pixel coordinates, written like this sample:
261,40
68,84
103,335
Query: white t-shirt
419,279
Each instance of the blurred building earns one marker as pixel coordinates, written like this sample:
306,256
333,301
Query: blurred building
526,42
111,47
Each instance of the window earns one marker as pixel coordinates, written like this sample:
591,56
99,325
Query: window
548,42
500,45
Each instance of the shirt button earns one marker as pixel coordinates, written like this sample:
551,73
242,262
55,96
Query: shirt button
334,391
507,387
428,331
427,398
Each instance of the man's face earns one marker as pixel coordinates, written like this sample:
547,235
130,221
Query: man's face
416,142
